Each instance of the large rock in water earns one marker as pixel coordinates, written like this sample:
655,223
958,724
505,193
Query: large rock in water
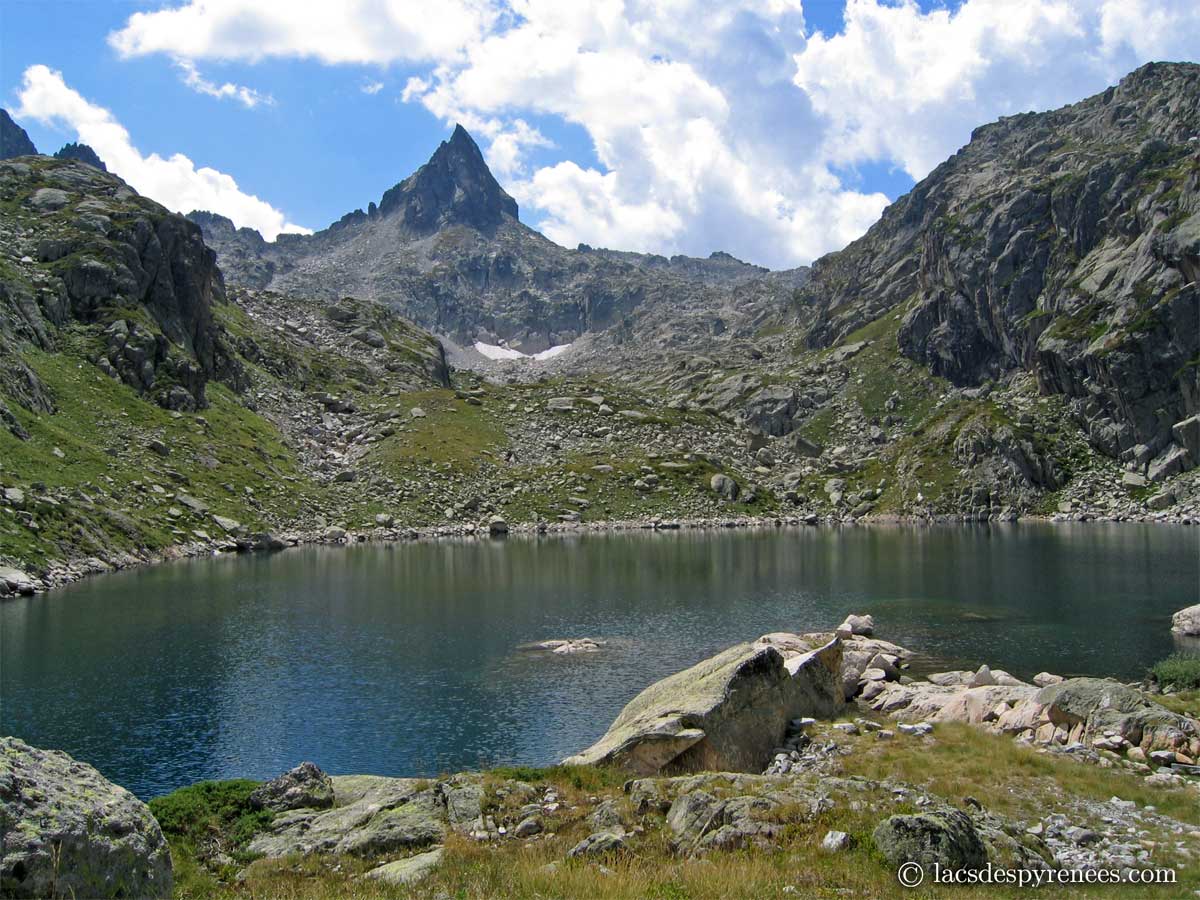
1187,621
69,832
724,714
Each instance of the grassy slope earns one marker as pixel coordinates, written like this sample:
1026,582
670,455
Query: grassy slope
113,491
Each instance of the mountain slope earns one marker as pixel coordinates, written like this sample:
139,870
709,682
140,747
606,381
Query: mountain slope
1065,244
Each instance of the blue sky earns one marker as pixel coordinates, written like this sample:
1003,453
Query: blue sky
775,129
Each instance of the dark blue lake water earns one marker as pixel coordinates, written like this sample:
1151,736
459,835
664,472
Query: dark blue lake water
403,659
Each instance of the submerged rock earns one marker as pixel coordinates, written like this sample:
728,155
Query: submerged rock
726,713
69,832
571,645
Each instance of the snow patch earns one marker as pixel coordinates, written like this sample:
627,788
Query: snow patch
494,351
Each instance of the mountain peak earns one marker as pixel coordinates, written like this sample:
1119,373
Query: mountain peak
83,153
454,188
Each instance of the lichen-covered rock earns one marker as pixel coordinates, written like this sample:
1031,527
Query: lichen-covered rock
601,843
304,786
371,815
66,831
409,870
946,837
1187,621
726,713
1087,708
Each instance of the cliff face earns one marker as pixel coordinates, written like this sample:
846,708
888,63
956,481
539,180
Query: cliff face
13,139
138,276
1064,243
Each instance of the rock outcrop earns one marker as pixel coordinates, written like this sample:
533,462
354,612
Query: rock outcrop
1062,243
304,786
1187,621
127,265
373,816
69,832
946,838
83,153
726,713
13,139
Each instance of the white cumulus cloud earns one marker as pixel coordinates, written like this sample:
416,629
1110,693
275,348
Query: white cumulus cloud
175,181
246,96
348,31
908,86
712,125
702,138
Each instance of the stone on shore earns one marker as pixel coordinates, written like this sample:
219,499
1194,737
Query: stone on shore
304,786
726,713
372,815
1187,621
68,831
859,625
1085,709
409,870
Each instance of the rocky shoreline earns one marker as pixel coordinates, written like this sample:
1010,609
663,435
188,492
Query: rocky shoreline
743,751
18,582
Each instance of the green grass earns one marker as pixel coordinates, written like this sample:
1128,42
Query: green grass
102,479
580,778
195,813
1179,671
1186,703
452,433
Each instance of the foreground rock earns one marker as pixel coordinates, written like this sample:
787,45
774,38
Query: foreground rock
1187,621
726,713
947,838
304,786
372,816
68,831
409,870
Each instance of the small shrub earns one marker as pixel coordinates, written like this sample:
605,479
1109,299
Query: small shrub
211,810
1178,670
